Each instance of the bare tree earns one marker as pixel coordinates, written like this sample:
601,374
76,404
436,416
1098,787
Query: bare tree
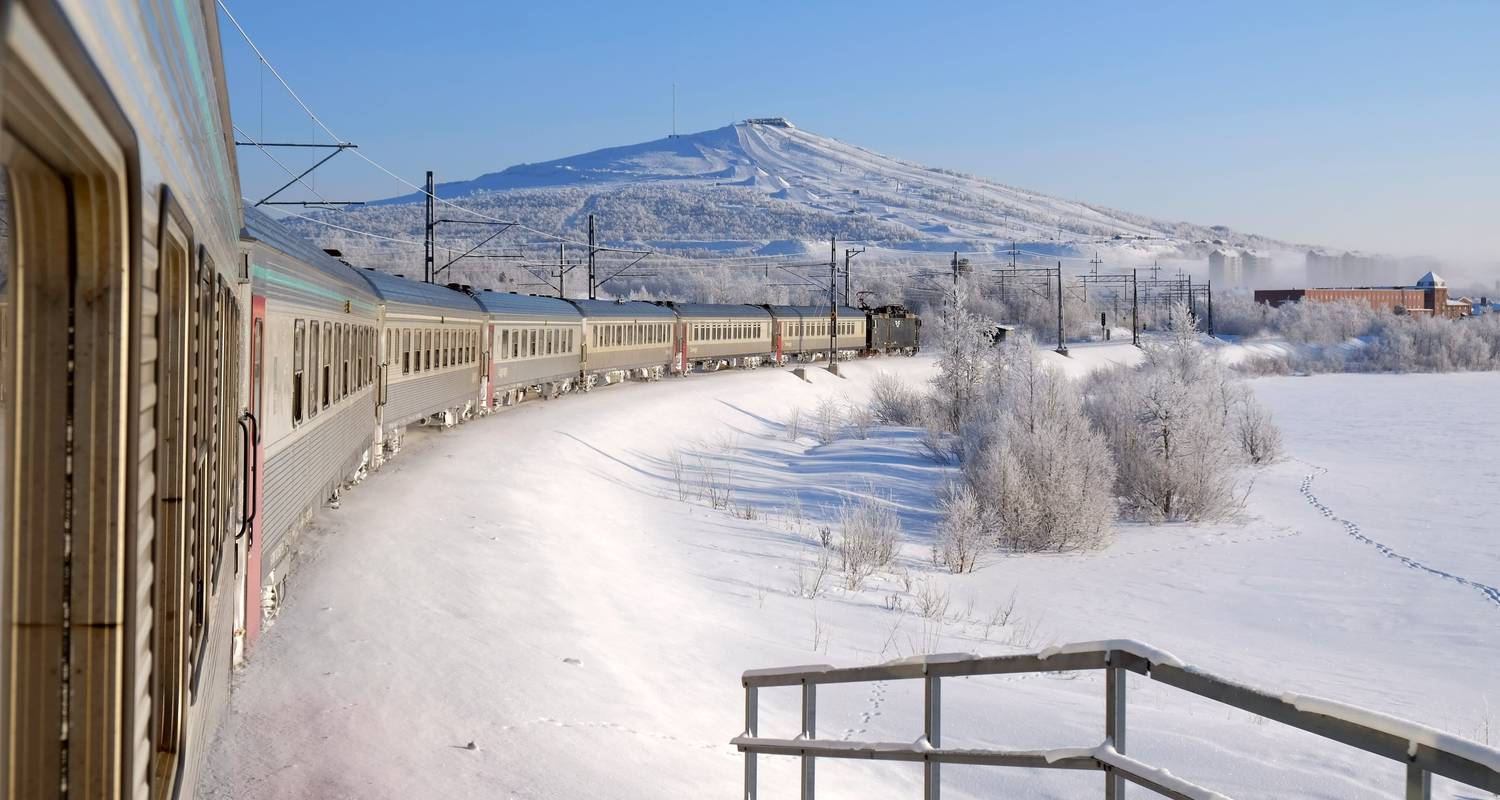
869,531
961,532
827,420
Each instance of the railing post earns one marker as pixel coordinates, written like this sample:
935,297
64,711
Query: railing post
1114,727
1418,783
932,729
752,728
809,731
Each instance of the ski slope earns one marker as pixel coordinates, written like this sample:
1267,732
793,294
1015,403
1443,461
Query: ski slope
526,606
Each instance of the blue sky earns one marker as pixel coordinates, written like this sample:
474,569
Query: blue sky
1370,125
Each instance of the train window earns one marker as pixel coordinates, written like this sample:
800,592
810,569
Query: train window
405,352
515,343
327,363
299,331
315,356
345,343
505,344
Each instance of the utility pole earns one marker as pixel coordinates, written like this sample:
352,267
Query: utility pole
592,276
833,304
849,253
562,252
1210,292
427,264
1135,308
1062,345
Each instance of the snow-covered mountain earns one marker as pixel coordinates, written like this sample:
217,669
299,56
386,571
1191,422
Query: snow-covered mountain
766,187
908,205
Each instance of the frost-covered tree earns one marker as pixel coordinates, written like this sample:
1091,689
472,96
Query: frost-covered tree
964,360
1043,474
1168,423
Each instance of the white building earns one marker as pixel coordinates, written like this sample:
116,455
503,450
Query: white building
1255,267
1225,267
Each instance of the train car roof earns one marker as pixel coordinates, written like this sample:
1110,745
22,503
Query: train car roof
525,305
820,311
616,308
395,289
259,227
716,310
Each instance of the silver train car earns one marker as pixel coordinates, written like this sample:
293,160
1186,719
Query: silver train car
624,340
716,335
532,347
803,332
313,388
431,337
122,377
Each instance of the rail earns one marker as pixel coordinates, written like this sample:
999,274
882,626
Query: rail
1424,751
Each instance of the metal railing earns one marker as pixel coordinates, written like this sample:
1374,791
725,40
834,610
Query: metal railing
1424,751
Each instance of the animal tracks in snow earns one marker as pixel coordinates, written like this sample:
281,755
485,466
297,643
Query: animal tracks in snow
1352,528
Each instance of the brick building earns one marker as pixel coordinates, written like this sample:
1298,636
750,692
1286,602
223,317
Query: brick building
1429,295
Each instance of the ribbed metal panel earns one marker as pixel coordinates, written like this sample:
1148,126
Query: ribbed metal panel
301,476
413,399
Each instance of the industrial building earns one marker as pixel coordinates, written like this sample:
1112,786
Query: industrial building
1429,295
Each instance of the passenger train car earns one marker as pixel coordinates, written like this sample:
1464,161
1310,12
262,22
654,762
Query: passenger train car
183,383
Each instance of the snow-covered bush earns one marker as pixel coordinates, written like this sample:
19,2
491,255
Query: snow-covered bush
792,428
869,531
861,419
1043,474
961,532
894,401
827,420
1168,425
1259,438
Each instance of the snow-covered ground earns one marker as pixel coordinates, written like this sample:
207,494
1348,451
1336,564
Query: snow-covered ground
535,583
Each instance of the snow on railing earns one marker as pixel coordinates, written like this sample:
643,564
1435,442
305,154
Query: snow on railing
1425,751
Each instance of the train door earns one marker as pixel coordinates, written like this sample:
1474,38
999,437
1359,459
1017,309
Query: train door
776,338
71,459
486,369
681,355
253,469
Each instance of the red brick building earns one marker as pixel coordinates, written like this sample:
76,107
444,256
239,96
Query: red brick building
1429,295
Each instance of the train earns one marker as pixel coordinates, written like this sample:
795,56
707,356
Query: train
184,382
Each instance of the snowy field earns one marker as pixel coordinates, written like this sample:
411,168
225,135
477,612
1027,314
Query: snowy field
535,605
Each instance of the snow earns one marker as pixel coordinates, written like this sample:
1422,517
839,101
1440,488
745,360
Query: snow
531,583
1414,733
1146,651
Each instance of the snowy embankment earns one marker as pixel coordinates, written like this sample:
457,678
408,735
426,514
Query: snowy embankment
546,603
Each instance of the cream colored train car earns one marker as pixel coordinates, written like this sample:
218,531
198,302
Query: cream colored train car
123,335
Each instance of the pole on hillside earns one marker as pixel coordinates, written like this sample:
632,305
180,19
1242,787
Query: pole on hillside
427,263
562,253
833,304
1191,305
1135,310
592,287
1210,292
1062,344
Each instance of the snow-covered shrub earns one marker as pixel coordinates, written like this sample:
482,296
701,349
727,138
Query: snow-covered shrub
1043,475
1237,314
1259,438
792,428
1167,424
961,531
894,401
869,531
827,420
861,419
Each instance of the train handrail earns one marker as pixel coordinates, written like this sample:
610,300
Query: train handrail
250,486
1425,751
